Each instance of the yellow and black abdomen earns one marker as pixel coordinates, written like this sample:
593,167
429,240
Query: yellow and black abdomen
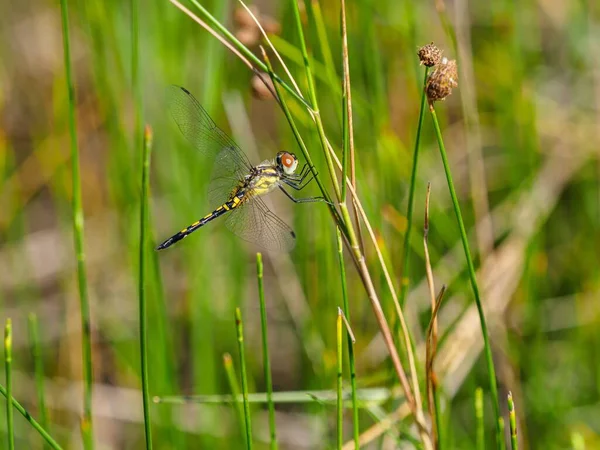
228,206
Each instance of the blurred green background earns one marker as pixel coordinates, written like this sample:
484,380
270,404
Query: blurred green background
522,134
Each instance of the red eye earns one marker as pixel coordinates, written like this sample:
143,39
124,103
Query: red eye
288,161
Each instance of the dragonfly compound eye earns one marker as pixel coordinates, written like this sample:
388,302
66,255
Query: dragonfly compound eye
289,163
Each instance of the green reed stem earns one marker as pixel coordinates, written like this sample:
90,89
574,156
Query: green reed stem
513,422
38,362
29,418
339,386
404,282
265,344
246,51
472,277
351,358
235,388
135,73
313,100
7,367
301,144
479,434
240,336
86,345
365,397
142,288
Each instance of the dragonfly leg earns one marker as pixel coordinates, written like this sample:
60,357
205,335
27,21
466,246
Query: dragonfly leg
304,200
297,184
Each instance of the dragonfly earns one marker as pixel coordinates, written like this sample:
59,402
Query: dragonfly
236,186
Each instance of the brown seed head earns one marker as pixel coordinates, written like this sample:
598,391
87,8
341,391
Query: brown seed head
442,80
429,55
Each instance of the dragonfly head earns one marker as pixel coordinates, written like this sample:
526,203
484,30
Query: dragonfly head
288,162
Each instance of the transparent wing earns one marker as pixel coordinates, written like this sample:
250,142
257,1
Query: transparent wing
255,222
198,128
226,175
230,165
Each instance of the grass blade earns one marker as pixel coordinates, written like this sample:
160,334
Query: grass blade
142,283
38,362
404,282
31,420
480,433
86,345
472,276
513,422
339,366
8,371
236,395
351,358
240,336
266,359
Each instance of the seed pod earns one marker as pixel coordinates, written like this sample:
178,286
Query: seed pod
429,55
442,80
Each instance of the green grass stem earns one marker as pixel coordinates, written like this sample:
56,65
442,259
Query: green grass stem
300,141
10,430
313,100
512,416
364,397
266,358
38,363
86,345
29,418
472,277
236,394
142,288
404,282
240,337
351,357
339,385
479,430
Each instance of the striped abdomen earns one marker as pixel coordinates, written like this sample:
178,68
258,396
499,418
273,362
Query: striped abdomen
228,206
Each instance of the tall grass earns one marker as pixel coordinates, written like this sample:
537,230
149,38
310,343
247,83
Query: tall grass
77,207
8,372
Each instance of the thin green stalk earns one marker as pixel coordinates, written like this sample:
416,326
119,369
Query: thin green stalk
351,359
29,418
240,336
339,386
86,345
38,362
479,434
7,367
313,100
404,282
513,422
265,344
365,397
300,141
245,51
235,388
472,277
135,74
142,283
